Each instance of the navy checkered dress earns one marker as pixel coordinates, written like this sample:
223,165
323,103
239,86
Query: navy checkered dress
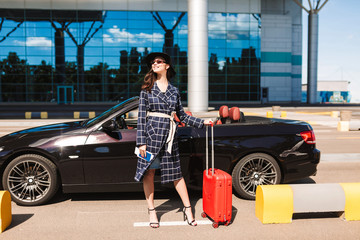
153,131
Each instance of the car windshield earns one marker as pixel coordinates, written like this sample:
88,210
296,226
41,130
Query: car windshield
107,113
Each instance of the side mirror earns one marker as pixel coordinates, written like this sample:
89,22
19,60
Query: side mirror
109,125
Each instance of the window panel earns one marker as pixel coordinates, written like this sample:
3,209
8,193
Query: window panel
238,44
33,50
139,15
233,61
236,17
19,32
221,34
112,61
5,50
111,15
112,56
93,52
111,52
140,24
217,43
12,24
70,51
114,23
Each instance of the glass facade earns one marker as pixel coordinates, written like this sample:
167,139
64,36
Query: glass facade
87,56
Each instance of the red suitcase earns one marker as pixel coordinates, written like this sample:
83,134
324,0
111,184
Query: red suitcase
217,190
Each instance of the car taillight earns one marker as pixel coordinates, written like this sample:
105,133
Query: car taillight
308,136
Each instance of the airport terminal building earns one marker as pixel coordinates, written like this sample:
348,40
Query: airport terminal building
70,51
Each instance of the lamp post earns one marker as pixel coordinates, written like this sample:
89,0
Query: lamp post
313,37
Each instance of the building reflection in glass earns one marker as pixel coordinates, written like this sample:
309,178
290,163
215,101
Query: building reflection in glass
100,54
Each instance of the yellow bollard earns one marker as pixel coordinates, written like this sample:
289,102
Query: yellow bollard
352,196
343,126
43,115
334,114
28,115
274,203
269,114
277,203
5,210
84,115
283,114
76,115
91,114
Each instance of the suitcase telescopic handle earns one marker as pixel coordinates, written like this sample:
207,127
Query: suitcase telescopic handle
212,149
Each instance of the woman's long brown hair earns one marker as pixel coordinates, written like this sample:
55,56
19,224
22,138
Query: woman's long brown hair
150,79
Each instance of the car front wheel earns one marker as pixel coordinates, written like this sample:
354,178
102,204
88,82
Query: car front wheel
31,180
253,170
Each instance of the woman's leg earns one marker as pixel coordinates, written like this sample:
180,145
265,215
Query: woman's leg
148,184
180,187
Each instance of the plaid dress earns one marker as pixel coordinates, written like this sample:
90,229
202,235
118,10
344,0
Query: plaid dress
153,131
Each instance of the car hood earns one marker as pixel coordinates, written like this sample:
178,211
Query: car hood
52,129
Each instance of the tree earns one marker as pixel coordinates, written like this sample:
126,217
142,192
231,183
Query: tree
96,82
41,83
13,79
216,79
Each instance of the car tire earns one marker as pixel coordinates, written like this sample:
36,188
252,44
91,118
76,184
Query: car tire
253,170
31,180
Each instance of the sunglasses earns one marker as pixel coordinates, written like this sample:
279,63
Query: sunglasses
158,62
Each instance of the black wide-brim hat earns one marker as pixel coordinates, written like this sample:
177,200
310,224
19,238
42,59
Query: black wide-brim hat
149,58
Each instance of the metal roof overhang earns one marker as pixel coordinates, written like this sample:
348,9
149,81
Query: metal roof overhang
20,15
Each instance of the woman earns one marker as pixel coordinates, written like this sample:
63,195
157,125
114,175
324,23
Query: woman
159,100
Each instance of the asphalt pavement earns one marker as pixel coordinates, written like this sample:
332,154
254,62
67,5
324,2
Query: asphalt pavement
124,215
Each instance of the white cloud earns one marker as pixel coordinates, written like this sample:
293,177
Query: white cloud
218,21
234,26
117,35
221,64
225,26
142,49
183,31
35,42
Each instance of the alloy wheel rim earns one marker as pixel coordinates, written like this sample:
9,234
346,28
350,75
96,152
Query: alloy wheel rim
257,171
29,181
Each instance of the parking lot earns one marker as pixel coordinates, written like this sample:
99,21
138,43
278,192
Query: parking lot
124,215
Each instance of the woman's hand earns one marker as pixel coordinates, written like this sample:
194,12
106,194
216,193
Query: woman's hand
208,122
142,150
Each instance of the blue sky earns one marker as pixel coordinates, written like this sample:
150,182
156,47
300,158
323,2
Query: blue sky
339,44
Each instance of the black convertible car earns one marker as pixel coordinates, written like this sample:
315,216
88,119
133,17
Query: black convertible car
97,155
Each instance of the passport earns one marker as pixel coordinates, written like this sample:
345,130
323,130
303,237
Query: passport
149,155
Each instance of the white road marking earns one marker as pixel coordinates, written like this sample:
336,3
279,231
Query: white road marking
172,223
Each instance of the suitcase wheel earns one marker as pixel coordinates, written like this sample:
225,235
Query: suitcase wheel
215,225
227,223
203,215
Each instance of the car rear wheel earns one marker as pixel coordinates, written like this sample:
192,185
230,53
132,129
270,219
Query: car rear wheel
31,180
253,170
